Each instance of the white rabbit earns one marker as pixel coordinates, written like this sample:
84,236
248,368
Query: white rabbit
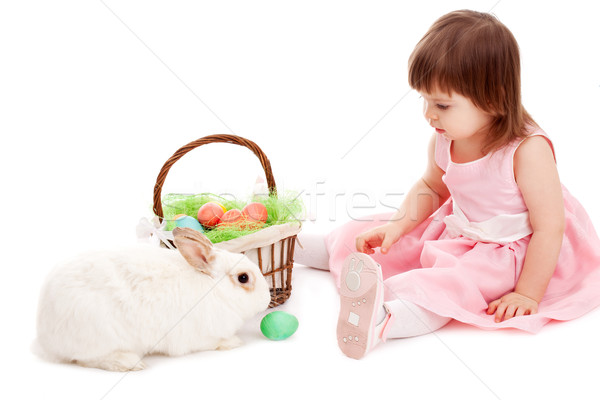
108,309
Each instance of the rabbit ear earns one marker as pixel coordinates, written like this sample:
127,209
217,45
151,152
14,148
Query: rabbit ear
195,248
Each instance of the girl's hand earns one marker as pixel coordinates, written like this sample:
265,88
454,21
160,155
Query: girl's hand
512,305
382,236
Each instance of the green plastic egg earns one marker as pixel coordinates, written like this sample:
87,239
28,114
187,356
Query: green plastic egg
278,325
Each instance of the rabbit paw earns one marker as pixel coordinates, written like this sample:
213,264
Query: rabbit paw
229,343
118,361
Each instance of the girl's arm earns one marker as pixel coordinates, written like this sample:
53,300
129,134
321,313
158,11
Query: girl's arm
537,178
423,199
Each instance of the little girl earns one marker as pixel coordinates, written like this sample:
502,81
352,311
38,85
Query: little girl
488,236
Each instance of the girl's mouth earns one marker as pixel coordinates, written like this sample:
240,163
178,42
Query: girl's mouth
440,131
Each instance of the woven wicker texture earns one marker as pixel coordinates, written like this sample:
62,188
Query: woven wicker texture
275,261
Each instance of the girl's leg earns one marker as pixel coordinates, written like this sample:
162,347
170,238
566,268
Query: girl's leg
311,250
365,319
412,320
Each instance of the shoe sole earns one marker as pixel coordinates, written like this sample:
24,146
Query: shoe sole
361,293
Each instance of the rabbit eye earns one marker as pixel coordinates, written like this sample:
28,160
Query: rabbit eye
243,278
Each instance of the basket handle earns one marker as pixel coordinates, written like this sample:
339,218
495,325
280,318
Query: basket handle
233,139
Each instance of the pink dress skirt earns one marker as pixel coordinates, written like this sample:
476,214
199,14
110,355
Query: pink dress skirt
457,275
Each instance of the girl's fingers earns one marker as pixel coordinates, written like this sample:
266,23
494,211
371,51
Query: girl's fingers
360,243
510,311
362,246
500,312
530,310
492,307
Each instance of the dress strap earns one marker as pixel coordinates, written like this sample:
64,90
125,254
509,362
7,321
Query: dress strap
537,132
442,152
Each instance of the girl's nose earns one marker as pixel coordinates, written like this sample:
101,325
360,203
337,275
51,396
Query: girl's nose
429,114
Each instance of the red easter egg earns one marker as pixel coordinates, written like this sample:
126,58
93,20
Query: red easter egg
255,212
231,216
210,213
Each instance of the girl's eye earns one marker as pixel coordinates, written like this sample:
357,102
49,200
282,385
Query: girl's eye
442,106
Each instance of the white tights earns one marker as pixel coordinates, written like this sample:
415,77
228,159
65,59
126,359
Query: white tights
410,319
311,251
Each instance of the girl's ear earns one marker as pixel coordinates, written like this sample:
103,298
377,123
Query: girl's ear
195,248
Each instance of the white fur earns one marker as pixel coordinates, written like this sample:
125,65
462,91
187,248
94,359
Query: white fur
109,309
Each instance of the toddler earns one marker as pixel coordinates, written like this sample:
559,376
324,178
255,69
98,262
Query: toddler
488,236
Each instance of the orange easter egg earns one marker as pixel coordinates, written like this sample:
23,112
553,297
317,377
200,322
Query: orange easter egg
256,212
175,218
210,214
232,216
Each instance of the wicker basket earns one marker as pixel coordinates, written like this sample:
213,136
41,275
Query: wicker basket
275,260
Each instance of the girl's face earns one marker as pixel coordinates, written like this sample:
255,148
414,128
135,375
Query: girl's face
454,116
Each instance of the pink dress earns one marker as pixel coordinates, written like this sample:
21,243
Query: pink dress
471,251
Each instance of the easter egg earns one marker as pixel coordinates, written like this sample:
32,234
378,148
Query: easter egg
255,212
278,325
232,216
188,222
210,213
178,216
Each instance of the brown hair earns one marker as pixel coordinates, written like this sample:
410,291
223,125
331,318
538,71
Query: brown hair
476,56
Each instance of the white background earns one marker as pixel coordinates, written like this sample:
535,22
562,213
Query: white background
95,96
